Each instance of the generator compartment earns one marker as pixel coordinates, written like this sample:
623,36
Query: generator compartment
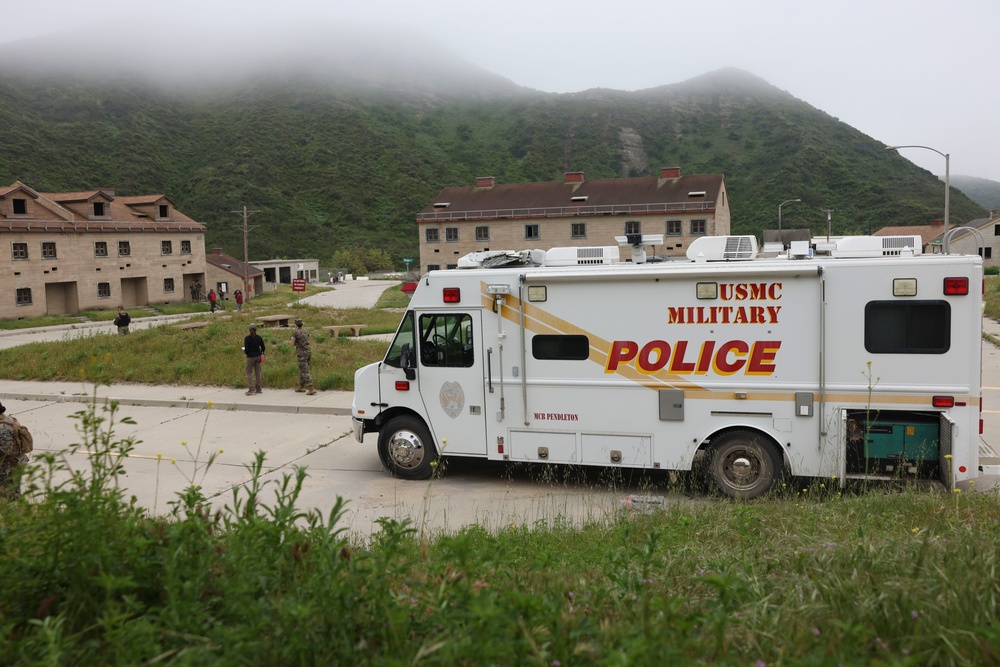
896,443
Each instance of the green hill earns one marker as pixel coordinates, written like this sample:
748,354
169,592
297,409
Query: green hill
335,156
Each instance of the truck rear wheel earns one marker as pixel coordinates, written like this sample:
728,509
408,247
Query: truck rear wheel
405,448
743,464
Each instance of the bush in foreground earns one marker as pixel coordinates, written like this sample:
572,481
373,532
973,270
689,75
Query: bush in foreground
879,578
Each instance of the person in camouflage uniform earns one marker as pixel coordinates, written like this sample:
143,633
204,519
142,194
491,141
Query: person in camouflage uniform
11,458
303,353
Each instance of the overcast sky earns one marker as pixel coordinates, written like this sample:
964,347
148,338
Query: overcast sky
901,71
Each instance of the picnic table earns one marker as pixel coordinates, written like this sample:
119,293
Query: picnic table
194,325
355,328
274,320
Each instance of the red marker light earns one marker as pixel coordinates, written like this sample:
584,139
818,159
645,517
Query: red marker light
402,385
956,286
943,401
452,295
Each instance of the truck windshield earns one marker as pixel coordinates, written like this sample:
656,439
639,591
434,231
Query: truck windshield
403,339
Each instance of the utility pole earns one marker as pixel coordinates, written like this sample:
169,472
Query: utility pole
829,217
246,250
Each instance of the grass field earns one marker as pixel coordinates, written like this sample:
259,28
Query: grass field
212,355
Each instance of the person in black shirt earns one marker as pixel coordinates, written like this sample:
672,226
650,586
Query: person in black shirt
122,320
253,347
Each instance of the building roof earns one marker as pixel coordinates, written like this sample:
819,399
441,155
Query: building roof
132,214
228,263
927,233
576,196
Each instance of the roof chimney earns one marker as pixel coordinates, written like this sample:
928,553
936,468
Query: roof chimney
574,177
670,172
216,251
485,181
937,223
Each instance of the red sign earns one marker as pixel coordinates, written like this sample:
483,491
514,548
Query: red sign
298,284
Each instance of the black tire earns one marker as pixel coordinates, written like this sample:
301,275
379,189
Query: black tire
743,464
406,449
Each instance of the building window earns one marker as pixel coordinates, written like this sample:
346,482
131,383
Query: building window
433,267
124,249
483,233
578,230
166,247
24,296
451,234
431,234
698,227
633,227
19,250
986,253
185,247
98,209
531,233
673,227
103,290
20,207
48,250
996,230
100,248
164,211
168,284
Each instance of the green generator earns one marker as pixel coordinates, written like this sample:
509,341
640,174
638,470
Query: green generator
901,444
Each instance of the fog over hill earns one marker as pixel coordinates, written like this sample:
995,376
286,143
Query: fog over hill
196,58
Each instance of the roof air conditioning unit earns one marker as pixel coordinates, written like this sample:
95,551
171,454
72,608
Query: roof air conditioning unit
723,248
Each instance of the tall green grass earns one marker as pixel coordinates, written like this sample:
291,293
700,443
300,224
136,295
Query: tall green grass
813,577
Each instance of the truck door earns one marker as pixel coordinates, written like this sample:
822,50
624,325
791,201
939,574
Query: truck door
450,373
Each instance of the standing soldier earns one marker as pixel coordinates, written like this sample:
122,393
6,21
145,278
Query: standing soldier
122,321
15,443
303,353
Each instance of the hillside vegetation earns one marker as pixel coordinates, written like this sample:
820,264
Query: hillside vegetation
330,163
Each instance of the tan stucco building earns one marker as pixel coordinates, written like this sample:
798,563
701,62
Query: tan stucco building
573,212
70,251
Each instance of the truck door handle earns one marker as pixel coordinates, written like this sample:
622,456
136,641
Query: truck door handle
489,367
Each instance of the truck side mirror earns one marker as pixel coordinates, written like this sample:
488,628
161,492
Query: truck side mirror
406,362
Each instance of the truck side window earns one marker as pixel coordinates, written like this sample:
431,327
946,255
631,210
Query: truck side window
446,340
403,339
908,327
566,347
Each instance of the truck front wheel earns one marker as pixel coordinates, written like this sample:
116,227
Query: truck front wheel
743,464
405,448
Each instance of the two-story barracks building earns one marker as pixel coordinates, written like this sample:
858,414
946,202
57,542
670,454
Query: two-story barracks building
71,251
573,212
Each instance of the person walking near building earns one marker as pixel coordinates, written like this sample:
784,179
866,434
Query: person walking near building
15,444
238,296
303,353
253,347
122,321
211,299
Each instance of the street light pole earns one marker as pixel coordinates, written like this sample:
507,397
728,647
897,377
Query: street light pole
787,201
947,184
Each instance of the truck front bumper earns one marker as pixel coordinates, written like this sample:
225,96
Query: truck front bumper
359,429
